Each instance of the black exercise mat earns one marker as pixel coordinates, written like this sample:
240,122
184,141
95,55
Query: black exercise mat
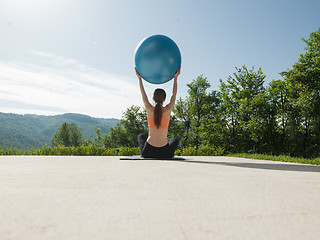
137,157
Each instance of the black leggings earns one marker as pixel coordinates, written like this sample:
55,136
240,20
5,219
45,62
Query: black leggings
149,151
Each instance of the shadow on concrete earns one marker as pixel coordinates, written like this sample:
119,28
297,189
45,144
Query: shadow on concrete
265,166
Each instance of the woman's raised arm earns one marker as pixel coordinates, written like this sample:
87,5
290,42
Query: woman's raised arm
143,92
174,90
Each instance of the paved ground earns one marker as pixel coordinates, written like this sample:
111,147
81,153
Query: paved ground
201,198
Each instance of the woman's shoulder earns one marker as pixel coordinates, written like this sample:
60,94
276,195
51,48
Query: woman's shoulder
150,112
167,108
167,111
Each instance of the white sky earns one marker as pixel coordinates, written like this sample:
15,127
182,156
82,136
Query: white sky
60,56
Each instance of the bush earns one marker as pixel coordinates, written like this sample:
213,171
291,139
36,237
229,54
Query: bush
10,151
73,151
126,151
189,151
91,150
210,151
201,151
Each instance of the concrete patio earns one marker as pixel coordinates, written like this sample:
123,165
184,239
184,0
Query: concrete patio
199,198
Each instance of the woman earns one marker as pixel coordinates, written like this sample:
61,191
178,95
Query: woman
156,145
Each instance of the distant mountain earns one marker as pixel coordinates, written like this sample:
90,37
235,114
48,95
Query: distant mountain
33,131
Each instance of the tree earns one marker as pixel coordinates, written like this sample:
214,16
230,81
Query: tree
176,129
134,122
212,127
278,96
116,137
245,109
304,82
125,133
193,110
198,103
98,140
181,121
67,135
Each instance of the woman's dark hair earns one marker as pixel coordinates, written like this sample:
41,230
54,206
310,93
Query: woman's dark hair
159,96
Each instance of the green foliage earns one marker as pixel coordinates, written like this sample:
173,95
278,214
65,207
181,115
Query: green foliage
245,109
211,151
67,135
181,124
247,116
63,151
188,151
126,151
281,158
10,151
32,131
125,133
198,106
20,131
98,140
303,84
100,151
201,151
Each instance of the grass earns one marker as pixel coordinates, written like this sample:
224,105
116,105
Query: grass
190,151
281,158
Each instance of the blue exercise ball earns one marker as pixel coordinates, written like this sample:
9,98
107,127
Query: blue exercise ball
157,59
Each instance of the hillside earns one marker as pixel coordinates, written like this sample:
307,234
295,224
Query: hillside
33,131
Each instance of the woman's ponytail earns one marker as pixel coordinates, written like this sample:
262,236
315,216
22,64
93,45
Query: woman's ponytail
157,114
159,96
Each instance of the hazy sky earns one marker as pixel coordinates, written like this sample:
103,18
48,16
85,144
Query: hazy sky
60,56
